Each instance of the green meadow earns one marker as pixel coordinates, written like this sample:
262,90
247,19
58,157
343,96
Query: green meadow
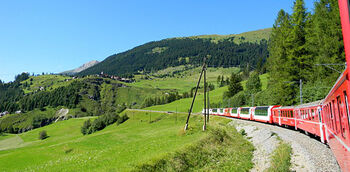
215,96
184,81
143,139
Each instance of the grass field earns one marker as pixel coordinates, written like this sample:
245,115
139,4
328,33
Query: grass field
216,96
143,138
49,82
183,105
253,36
184,81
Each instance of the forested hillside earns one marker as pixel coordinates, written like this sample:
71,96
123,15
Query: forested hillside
306,46
306,56
157,55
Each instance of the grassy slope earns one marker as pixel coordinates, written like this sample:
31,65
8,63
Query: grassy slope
216,96
186,80
183,105
253,36
24,120
49,82
114,148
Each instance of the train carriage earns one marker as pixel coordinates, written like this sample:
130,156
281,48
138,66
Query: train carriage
336,120
234,112
263,113
246,113
221,112
308,118
284,116
335,106
227,112
213,112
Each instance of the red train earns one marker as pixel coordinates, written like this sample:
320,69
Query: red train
329,119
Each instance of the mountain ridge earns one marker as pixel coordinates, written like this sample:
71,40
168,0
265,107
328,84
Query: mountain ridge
80,68
223,50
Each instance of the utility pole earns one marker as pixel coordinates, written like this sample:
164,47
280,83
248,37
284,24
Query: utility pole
301,91
195,94
208,104
205,99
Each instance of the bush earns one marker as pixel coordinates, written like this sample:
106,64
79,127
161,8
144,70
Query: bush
85,128
101,122
122,119
43,135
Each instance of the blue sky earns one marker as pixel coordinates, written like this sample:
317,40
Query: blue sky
57,35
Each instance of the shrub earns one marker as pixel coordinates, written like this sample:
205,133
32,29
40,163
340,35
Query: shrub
122,119
85,127
101,122
242,132
43,135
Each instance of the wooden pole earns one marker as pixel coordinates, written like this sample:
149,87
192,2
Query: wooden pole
194,97
205,100
208,105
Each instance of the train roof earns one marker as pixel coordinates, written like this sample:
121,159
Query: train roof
315,103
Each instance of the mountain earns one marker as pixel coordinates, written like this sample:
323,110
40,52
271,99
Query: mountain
222,50
81,68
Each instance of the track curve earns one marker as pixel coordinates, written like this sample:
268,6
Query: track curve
309,154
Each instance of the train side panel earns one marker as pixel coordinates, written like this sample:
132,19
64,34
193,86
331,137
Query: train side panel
308,119
336,121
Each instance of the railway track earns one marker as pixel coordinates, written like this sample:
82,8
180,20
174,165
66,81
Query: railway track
309,154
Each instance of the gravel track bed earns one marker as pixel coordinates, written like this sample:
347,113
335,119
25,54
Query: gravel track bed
308,154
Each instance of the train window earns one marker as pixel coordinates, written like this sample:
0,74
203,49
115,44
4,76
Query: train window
234,110
340,115
332,117
319,115
261,111
313,114
335,116
347,106
349,8
245,111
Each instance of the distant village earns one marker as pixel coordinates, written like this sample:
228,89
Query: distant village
127,80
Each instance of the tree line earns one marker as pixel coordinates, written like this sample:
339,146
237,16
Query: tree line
302,44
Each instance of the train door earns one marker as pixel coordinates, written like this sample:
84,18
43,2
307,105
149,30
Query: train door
279,117
319,110
340,117
347,111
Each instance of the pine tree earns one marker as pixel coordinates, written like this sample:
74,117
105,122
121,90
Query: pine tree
217,80
253,84
278,61
235,86
325,40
